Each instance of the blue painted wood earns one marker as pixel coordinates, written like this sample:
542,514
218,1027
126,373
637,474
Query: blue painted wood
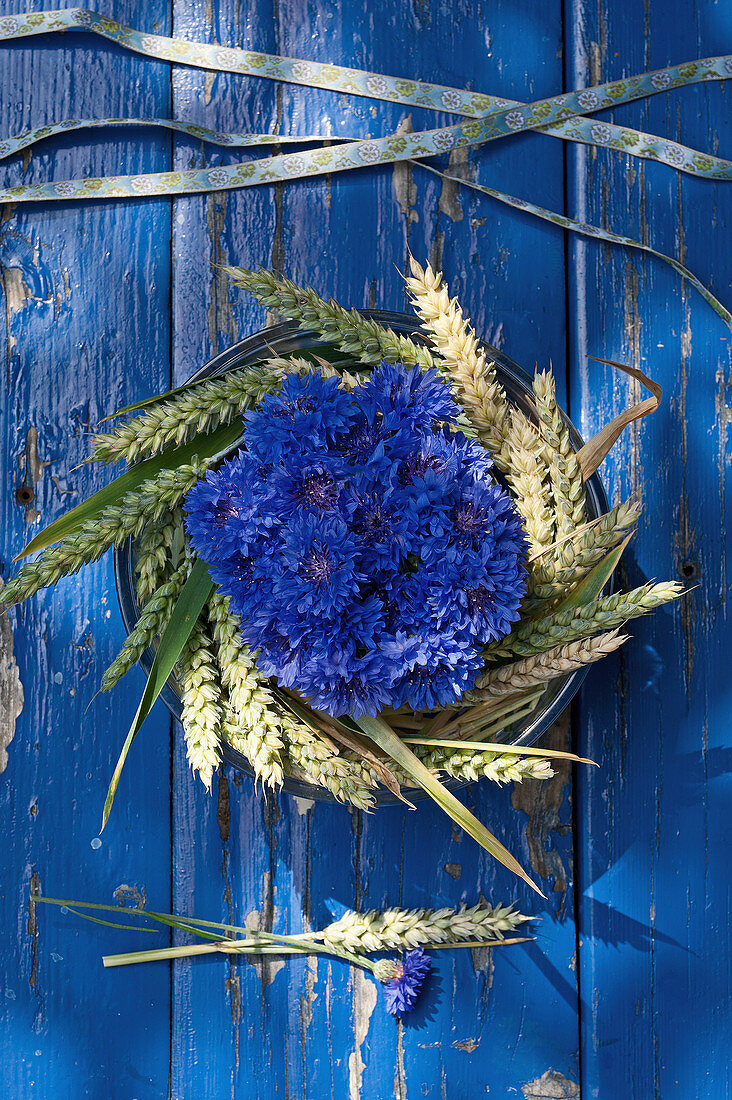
95,300
497,1023
653,894
84,322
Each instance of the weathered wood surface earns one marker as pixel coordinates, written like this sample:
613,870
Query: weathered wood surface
85,321
653,872
106,303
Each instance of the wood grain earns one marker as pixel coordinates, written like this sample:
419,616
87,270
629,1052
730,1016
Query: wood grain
84,324
652,884
104,304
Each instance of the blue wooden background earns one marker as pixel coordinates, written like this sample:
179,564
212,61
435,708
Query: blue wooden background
624,991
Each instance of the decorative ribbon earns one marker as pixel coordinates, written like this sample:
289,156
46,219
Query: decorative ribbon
213,137
488,117
607,135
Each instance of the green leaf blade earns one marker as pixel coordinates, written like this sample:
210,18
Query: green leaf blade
591,586
193,597
204,446
391,743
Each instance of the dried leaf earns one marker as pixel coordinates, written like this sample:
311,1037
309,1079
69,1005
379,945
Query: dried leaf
596,449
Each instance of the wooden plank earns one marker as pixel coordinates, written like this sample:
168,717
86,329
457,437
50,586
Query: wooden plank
494,1023
652,855
84,324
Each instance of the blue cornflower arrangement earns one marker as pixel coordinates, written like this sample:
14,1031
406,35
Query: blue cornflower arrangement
363,541
366,558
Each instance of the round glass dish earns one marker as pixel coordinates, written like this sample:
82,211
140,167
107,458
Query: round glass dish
288,339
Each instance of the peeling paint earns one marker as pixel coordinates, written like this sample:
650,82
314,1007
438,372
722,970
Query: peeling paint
219,313
541,800
209,76
223,812
632,324
23,279
723,421
437,249
267,969
232,986
11,689
304,805
686,535
400,1077
277,255
126,893
308,1000
405,188
469,1046
454,869
552,1085
364,1003
16,291
34,887
32,467
483,960
450,194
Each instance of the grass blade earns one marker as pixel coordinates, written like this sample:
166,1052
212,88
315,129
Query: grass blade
386,739
205,445
188,607
110,923
191,925
590,587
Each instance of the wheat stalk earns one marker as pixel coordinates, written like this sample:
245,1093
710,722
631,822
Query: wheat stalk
527,476
542,667
564,471
575,557
475,377
407,928
475,764
346,380
564,627
112,527
198,409
153,553
347,779
349,330
252,725
202,706
151,623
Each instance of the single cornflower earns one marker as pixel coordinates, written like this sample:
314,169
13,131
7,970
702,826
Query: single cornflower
403,980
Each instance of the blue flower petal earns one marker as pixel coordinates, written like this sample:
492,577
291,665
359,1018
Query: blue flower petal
401,991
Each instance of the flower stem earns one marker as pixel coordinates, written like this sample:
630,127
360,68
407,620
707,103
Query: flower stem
275,945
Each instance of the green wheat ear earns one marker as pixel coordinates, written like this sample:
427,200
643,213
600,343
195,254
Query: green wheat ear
111,527
355,335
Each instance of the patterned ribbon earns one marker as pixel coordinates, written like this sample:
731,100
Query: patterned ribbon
214,137
594,231
489,118
584,131
382,87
